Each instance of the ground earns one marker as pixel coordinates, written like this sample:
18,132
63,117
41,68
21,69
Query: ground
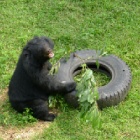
25,134
10,133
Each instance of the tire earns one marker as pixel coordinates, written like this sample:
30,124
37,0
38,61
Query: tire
110,94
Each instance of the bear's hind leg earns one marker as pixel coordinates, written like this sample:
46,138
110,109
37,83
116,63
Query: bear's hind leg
38,107
40,110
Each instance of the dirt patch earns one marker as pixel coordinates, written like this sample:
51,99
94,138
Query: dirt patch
3,95
26,133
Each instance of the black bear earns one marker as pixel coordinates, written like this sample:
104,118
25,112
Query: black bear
31,83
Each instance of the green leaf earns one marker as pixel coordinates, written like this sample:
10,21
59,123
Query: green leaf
54,68
104,54
97,63
84,96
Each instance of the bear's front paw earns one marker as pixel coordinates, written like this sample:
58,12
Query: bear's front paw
70,86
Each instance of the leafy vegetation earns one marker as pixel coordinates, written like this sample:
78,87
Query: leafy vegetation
87,96
9,116
74,25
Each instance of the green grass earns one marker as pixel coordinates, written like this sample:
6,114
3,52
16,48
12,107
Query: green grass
100,78
73,25
9,116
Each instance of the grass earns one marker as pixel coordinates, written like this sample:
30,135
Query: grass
74,25
100,78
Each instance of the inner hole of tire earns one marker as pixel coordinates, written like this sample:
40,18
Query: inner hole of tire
102,75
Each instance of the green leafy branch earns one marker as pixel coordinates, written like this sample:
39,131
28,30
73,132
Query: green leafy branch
87,96
56,64
88,92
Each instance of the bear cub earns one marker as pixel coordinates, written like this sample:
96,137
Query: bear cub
31,84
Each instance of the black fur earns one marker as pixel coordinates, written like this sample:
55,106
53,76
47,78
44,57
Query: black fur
30,85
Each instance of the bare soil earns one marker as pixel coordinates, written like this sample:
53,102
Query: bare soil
26,133
13,133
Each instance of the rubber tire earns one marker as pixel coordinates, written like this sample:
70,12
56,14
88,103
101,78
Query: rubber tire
109,95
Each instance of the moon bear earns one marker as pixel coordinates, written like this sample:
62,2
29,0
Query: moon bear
31,83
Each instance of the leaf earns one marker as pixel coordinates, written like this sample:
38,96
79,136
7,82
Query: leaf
97,63
96,122
84,66
96,94
104,54
91,98
88,74
54,68
84,96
